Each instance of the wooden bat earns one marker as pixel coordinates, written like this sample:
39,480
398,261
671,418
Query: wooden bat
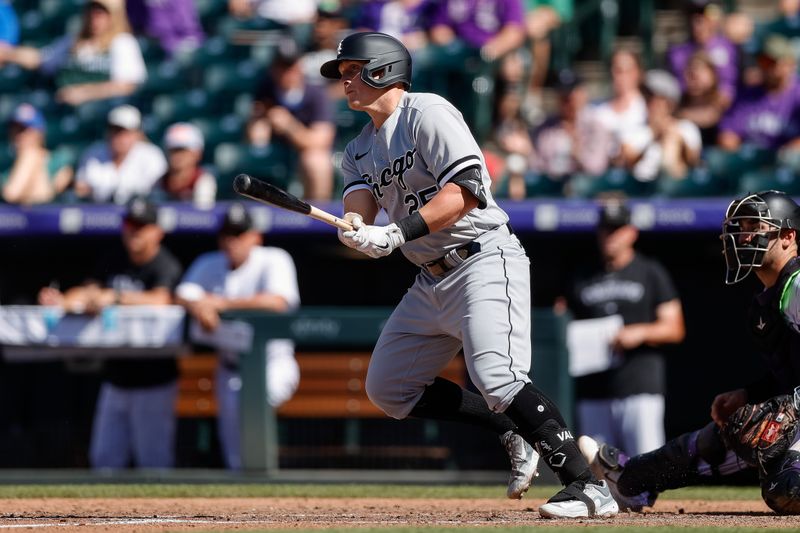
263,192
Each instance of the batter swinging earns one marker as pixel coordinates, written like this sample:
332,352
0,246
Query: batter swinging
418,161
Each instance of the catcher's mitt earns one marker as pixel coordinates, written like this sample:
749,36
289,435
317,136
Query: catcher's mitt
762,433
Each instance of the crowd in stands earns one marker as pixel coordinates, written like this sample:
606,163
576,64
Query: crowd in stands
105,100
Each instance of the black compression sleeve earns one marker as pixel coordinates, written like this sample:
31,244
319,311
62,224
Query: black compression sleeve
413,226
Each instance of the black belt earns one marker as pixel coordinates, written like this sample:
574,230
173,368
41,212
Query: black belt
441,266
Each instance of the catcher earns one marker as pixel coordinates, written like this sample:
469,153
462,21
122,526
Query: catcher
755,426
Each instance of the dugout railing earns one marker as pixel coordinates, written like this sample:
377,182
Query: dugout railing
331,327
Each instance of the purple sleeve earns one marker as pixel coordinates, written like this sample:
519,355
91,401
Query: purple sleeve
732,120
512,12
728,73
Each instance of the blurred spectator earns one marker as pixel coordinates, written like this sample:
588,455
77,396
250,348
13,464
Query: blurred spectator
542,17
766,116
125,165
787,24
573,141
624,403
704,18
667,146
174,24
296,17
702,102
9,24
37,176
470,36
626,111
406,20
288,110
185,179
328,31
495,27
102,61
135,414
243,275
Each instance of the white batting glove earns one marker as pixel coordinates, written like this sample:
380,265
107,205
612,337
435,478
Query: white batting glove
378,241
346,237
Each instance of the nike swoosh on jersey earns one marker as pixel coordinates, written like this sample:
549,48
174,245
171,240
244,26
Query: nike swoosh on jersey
359,156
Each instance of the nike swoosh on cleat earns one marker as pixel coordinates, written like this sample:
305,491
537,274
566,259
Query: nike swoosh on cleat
384,247
359,156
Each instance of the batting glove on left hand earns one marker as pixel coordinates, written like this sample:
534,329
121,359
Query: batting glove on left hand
378,241
346,237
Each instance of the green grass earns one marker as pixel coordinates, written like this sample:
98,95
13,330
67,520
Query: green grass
258,490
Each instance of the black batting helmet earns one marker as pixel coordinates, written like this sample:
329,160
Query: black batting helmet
744,247
380,51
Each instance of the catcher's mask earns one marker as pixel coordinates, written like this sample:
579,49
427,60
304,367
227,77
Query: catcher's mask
751,222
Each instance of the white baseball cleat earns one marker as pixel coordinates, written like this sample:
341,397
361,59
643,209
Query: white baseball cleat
580,499
608,463
524,461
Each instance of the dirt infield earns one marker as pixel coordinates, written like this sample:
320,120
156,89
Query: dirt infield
183,514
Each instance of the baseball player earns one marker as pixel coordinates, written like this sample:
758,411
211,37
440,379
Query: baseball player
754,426
417,160
243,274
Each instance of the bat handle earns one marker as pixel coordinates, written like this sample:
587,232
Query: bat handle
328,218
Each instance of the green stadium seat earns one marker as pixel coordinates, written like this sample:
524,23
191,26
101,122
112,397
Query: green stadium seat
15,79
70,129
164,77
219,130
273,163
730,165
348,123
6,157
40,99
169,108
541,185
226,80
616,180
699,182
778,178
209,12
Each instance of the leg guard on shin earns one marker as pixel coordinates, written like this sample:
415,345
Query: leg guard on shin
674,465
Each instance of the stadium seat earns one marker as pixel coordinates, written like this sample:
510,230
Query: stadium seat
273,163
225,80
730,165
14,79
615,180
699,182
71,129
209,12
168,108
166,76
539,185
348,123
219,130
779,178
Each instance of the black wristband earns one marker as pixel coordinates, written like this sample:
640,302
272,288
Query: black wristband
413,226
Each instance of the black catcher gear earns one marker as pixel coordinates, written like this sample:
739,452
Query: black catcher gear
780,487
388,61
750,223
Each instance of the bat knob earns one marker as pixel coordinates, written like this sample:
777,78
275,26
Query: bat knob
241,183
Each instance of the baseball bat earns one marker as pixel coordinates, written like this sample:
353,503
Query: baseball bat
263,192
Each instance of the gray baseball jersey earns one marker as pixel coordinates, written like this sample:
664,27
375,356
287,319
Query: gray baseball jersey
419,148
483,305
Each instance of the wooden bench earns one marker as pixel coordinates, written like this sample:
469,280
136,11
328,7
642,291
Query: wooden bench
331,386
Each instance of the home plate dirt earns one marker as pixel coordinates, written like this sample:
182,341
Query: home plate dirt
211,514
